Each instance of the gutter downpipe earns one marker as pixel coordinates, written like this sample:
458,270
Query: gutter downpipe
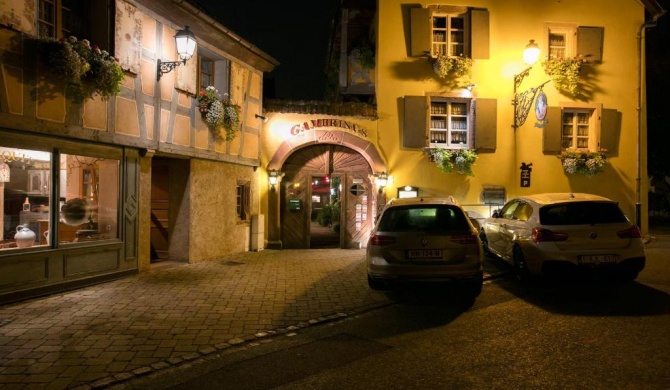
638,179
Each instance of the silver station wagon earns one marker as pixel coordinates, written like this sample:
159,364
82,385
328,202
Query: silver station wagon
565,234
424,240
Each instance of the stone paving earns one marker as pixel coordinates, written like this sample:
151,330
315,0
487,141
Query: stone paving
103,335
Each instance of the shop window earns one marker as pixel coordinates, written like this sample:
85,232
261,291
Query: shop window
89,197
451,122
449,30
85,188
243,200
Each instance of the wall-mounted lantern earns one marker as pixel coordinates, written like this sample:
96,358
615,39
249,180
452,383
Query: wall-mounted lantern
186,43
273,177
523,101
381,180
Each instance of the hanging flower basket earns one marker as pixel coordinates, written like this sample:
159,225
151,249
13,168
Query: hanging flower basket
565,73
453,160
86,69
585,163
452,66
219,113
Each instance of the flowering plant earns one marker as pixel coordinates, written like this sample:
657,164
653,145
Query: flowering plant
363,54
565,72
583,162
86,69
454,66
449,160
219,113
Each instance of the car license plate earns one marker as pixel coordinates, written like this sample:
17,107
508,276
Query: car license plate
597,259
424,254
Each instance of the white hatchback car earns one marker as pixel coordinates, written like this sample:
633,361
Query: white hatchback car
424,240
564,234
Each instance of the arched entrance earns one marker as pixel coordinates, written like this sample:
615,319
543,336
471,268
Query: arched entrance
327,198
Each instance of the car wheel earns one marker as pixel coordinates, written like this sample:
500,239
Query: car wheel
474,288
520,267
485,243
628,276
376,284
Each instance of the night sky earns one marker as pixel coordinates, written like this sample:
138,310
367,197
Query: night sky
297,34
294,32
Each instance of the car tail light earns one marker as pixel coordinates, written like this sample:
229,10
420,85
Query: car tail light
378,240
632,232
545,235
465,239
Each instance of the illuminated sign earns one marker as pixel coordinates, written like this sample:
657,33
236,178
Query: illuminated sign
320,123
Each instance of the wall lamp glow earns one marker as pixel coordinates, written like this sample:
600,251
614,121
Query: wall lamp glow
186,43
381,180
273,177
523,101
261,117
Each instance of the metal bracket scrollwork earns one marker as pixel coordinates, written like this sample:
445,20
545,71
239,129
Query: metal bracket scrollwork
167,67
523,102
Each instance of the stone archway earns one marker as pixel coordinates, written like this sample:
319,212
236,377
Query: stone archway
326,191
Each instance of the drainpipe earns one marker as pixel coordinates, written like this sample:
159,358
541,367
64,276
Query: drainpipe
638,178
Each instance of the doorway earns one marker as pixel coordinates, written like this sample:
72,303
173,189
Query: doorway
327,198
324,231
170,209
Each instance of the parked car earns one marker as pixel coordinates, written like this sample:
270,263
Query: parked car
424,240
564,234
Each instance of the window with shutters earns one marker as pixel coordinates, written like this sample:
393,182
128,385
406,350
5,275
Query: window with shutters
449,31
448,35
450,123
578,130
62,18
243,200
213,70
560,40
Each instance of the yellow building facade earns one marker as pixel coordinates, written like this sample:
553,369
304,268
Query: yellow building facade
530,132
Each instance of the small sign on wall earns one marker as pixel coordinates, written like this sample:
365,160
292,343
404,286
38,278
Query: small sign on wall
525,174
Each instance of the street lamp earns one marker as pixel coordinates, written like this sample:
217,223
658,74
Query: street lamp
186,43
523,101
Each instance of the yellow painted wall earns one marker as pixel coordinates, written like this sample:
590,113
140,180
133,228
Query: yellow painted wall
512,25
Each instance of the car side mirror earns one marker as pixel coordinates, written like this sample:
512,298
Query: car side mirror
495,214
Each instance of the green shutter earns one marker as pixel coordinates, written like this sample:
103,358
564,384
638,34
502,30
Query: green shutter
415,122
420,31
486,119
551,132
610,131
590,43
479,32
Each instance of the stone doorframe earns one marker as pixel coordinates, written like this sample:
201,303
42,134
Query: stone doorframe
365,148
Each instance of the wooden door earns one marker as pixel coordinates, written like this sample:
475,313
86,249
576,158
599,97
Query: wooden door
319,161
359,199
160,202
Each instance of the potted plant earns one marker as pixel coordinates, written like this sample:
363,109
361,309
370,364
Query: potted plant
565,72
363,54
450,160
219,113
452,66
86,69
583,162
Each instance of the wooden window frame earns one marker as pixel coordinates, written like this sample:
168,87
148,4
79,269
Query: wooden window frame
446,137
446,46
56,20
569,34
243,200
594,127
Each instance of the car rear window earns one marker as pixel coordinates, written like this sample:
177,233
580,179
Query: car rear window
430,218
581,213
